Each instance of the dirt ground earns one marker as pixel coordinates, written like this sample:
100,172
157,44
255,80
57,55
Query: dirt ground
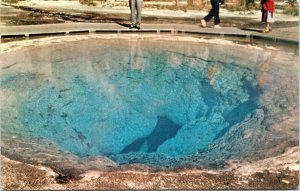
10,16
16,176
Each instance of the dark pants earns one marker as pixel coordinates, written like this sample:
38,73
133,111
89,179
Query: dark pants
214,12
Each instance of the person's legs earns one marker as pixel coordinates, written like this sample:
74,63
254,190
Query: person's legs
139,6
264,19
214,12
216,7
270,20
264,15
132,4
210,14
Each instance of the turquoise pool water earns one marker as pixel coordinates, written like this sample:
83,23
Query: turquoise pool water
141,101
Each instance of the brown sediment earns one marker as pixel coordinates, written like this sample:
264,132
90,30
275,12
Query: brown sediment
186,180
17,175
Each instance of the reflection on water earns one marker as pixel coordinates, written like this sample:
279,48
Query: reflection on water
139,101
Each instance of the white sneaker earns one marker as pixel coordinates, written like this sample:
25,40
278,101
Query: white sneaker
203,23
217,27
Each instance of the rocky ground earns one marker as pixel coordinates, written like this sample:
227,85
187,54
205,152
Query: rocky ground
16,175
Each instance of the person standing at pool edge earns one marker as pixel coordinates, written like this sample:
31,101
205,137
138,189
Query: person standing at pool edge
136,13
214,12
267,11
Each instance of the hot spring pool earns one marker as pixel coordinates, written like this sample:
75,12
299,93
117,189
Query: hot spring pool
150,101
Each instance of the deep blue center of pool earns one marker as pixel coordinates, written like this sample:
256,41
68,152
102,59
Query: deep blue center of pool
133,99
